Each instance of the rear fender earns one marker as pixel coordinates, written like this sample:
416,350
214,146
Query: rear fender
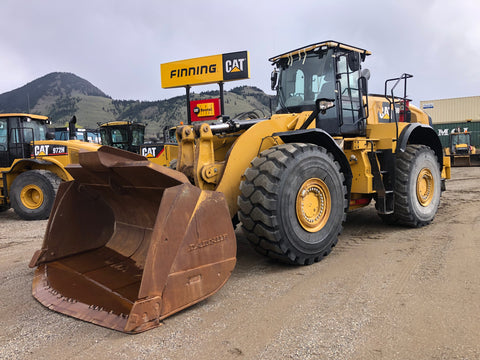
39,164
421,134
22,165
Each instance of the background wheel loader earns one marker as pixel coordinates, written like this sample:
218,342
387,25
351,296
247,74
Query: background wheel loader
162,152
32,167
130,136
87,135
125,135
460,149
161,240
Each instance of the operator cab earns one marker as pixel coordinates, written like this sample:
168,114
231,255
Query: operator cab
327,70
87,135
123,135
17,132
460,143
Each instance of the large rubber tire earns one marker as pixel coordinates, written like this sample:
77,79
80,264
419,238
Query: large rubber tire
417,187
32,194
293,203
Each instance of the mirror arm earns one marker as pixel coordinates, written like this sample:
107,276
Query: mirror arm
321,106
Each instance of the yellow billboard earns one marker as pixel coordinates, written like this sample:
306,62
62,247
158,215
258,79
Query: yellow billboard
206,70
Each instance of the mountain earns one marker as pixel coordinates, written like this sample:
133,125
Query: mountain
61,95
52,86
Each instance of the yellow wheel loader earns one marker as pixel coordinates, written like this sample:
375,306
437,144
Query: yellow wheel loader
32,167
460,150
125,135
163,152
160,240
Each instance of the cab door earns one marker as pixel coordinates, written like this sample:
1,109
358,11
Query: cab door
4,158
18,140
350,109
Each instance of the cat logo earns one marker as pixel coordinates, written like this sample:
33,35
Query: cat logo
152,151
385,114
41,150
235,66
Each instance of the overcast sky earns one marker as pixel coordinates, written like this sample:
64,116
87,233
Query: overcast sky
119,45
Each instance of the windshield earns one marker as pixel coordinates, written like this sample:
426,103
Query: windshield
122,137
93,137
461,139
31,130
138,134
39,130
115,136
305,79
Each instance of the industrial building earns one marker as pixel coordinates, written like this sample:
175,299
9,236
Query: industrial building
456,113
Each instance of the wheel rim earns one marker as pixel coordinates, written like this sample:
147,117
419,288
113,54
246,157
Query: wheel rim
425,187
313,204
32,196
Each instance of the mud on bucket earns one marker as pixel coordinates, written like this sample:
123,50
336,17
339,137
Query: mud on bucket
129,243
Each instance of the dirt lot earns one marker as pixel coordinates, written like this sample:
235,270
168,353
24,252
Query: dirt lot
384,293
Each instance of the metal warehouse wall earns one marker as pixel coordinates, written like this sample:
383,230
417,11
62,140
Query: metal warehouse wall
456,110
444,131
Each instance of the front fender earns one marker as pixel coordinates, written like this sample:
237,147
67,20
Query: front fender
321,138
247,147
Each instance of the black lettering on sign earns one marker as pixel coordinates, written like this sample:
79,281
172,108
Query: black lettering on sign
192,71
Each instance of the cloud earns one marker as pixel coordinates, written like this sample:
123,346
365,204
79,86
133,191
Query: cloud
119,46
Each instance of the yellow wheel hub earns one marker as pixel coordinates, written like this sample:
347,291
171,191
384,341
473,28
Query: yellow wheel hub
425,187
32,196
313,204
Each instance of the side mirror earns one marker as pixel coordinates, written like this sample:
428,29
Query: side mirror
273,79
365,73
353,61
324,104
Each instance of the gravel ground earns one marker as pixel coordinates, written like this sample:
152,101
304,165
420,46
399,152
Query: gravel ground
385,292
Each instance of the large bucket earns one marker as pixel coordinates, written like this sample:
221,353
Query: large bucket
129,243
475,160
460,160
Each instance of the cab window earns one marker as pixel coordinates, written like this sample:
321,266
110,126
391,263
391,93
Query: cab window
3,134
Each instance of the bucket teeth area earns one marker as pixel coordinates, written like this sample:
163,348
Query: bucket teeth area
101,279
